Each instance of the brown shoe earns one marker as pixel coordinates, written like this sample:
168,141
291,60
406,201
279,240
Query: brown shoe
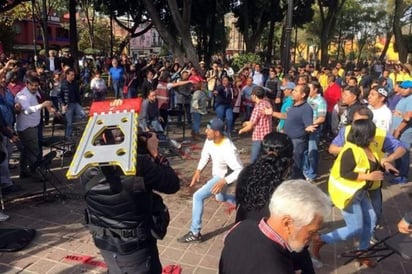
317,244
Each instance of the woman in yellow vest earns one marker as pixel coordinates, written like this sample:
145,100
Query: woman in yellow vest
355,170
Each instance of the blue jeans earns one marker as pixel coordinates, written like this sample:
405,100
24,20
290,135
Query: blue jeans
254,154
74,112
197,118
202,194
299,147
118,89
360,219
225,113
376,199
247,113
311,156
402,164
156,126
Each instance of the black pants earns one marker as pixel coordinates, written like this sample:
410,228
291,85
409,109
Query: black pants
142,261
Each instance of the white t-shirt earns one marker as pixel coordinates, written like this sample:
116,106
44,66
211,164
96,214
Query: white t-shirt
30,110
223,155
382,117
258,78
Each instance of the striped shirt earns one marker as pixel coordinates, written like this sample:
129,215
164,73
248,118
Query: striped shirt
318,105
262,123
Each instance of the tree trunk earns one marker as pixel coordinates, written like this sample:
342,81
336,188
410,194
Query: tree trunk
182,23
45,32
271,37
361,45
399,41
328,26
339,43
387,43
253,39
211,33
167,37
324,56
73,34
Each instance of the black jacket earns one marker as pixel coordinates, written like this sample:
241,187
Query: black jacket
119,208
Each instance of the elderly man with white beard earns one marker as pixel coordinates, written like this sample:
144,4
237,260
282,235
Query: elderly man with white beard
265,246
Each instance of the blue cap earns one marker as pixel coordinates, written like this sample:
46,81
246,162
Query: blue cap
289,85
406,84
216,124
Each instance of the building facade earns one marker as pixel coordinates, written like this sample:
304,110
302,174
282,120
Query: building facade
149,43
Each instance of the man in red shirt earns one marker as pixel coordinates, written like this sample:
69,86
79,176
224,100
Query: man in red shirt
260,122
332,95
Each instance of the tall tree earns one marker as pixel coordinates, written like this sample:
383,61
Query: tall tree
400,8
42,10
89,13
255,15
209,27
133,11
180,21
329,12
6,5
74,50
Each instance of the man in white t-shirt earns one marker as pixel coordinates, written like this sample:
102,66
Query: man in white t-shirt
224,156
257,76
382,115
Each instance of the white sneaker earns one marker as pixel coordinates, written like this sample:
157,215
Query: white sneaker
3,217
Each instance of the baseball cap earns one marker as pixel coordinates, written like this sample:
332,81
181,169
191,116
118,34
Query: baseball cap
381,90
216,124
289,85
406,84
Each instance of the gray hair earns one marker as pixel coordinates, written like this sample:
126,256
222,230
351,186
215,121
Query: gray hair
301,200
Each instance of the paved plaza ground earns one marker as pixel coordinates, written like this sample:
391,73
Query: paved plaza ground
61,233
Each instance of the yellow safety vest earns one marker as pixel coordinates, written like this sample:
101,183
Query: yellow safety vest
342,190
376,146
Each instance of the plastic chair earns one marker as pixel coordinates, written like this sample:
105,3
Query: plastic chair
398,243
59,143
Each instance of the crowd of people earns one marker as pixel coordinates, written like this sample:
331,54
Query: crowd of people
363,113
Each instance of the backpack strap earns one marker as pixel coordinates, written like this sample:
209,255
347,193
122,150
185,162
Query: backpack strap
94,181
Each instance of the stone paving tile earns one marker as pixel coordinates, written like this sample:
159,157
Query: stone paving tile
5,269
41,266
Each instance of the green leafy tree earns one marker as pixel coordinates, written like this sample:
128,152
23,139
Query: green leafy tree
400,8
255,16
245,58
329,11
179,41
133,11
101,30
6,5
361,20
208,26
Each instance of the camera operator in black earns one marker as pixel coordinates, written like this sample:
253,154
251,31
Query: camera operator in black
119,209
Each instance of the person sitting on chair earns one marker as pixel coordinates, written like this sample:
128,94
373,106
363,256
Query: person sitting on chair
149,118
